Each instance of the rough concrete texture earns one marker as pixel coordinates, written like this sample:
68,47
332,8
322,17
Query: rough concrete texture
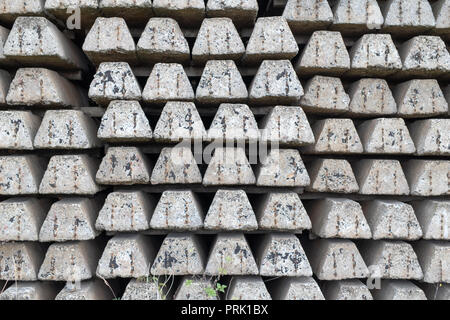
39,87
230,210
332,175
143,290
243,13
20,175
124,121
63,9
335,136
195,289
126,256
307,15
229,166
25,290
247,288
114,81
339,218
178,210
125,211
420,98
38,42
406,17
70,261
66,129
378,176
325,53
355,16
3,36
325,95
124,166
346,290
217,39
18,129
391,219
20,261
336,259
176,166
431,136
70,174
231,255
86,290
398,290
167,82
70,219
391,259
179,121
163,41
282,168
282,211
441,9
180,254
386,136
234,122
428,177
186,12
297,288
371,97
221,82
11,9
137,12
434,257
433,218
5,81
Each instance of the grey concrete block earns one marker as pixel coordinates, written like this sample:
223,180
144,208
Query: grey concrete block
332,175
441,10
124,166
229,166
325,95
86,290
247,288
371,97
11,9
163,41
434,258
126,256
195,289
339,218
70,174
179,121
231,255
217,39
114,81
436,291
398,290
282,168
386,136
433,216
390,219
167,82
178,210
230,210
307,15
18,129
135,11
297,288
221,82
20,175
60,10
431,137
20,261
70,261
243,13
275,82
180,254
186,12
356,16
428,177
32,290
125,211
5,81
346,290
3,37
379,176
70,219
144,290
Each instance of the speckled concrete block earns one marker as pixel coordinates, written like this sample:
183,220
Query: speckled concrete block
398,290
325,95
20,261
356,16
428,177
434,258
307,15
332,175
297,288
441,10
433,216
136,12
20,175
25,290
431,137
3,37
195,289
371,97
63,9
144,290
186,12
346,290
86,290
11,9
243,13
247,288
5,81
18,129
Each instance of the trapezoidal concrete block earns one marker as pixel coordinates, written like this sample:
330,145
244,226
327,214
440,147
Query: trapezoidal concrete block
20,261
125,211
186,12
192,288
434,258
20,175
441,9
431,136
247,288
90,290
136,12
230,210
428,177
124,166
325,95
243,13
356,16
3,37
379,176
138,289
433,216
307,15
11,9
231,255
398,290
64,9
332,175
70,174
18,129
296,288
5,81
346,290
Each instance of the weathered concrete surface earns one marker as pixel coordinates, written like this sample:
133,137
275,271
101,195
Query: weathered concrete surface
144,290
25,290
5,81
186,12
378,176
398,290
11,9
441,9
325,95
63,9
125,211
124,166
180,254
434,258
86,290
163,41
135,12
433,216
428,177
243,13
176,166
431,136
282,168
247,288
230,210
307,15
296,288
231,255
371,97
390,219
356,16
346,290
167,82
339,218
20,261
332,175
20,175
3,36
178,210
18,129
71,174
217,39
70,219
66,129
195,289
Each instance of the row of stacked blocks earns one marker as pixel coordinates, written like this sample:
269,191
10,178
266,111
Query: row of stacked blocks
355,193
